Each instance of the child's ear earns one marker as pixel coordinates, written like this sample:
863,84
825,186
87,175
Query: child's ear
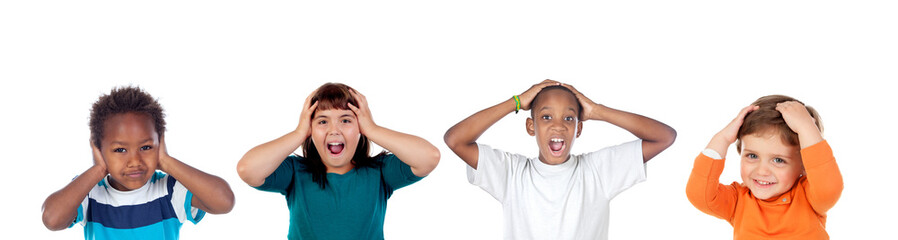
529,125
579,128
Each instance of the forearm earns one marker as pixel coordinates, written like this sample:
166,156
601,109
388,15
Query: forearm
262,160
824,177
656,136
61,207
214,194
414,151
462,137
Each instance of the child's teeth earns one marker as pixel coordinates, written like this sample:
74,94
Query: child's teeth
556,140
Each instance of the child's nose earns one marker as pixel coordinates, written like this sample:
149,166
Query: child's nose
135,160
763,170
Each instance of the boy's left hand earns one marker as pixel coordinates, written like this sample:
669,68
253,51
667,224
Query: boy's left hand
588,105
163,155
800,121
362,112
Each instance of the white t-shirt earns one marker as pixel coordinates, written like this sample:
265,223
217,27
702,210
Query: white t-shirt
564,201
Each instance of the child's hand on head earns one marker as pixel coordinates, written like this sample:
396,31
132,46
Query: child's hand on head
588,105
800,121
527,96
362,112
305,116
723,139
98,157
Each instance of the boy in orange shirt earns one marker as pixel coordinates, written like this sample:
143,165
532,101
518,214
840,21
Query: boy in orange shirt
789,175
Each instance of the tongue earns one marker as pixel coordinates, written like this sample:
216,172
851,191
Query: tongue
335,149
556,146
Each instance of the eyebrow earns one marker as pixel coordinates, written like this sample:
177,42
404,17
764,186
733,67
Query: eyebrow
341,116
775,154
141,142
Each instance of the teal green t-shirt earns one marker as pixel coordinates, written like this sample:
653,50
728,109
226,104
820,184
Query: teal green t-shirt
352,206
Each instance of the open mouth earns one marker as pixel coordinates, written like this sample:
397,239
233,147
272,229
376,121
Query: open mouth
336,148
556,146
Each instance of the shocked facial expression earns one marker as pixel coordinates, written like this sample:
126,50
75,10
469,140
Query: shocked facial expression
770,167
555,124
130,148
335,134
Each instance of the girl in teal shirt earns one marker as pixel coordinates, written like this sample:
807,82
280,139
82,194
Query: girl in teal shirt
335,190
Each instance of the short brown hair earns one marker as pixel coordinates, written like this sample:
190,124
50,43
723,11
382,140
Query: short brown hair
768,119
124,100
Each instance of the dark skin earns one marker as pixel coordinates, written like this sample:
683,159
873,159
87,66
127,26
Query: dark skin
130,152
462,138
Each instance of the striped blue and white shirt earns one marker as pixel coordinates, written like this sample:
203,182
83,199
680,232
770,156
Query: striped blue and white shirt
154,211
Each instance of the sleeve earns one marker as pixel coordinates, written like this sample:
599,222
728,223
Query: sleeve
493,169
282,177
80,217
824,184
706,193
618,167
181,200
396,174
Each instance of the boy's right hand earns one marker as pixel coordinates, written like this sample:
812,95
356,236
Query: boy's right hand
98,158
527,96
727,136
305,117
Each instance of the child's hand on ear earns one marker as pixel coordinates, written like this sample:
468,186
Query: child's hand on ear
589,107
305,117
362,112
527,96
723,139
164,158
98,158
800,121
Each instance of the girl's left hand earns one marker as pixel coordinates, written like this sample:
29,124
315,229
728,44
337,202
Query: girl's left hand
362,112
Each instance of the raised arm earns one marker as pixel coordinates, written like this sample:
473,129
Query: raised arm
210,193
418,153
824,178
258,163
704,190
462,137
656,136
61,208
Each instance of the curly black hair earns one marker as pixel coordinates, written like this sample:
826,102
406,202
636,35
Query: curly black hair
124,100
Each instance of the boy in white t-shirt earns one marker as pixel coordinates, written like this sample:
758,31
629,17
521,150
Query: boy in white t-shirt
557,195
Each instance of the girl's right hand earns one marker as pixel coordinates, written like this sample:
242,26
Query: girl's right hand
305,117
527,96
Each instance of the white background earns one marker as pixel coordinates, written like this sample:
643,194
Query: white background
233,74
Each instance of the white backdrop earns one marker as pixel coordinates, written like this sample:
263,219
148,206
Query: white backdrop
233,74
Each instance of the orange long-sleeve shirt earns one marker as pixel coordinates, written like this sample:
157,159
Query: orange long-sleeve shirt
799,213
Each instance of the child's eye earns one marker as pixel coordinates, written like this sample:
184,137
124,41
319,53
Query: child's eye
346,121
119,150
547,117
322,122
779,161
569,118
144,148
752,156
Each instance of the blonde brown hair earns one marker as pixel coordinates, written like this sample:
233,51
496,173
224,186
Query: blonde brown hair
768,120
